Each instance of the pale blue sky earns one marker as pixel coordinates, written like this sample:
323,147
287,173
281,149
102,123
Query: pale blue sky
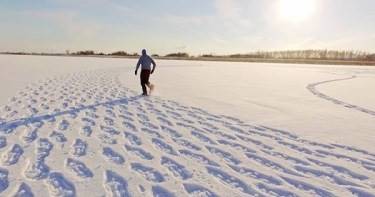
194,26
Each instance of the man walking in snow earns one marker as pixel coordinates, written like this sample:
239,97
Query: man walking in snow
145,62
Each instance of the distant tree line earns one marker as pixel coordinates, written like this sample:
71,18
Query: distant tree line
289,54
126,54
306,54
90,52
179,54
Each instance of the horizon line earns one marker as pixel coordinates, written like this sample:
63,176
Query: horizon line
96,52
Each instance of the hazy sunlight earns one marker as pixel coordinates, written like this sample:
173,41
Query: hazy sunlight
296,10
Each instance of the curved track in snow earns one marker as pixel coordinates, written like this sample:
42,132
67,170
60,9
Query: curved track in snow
313,89
87,134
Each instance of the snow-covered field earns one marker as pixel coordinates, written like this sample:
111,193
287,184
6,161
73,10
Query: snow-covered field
78,127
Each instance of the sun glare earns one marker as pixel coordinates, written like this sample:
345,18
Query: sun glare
296,10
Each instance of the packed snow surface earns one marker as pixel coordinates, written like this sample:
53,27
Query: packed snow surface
79,127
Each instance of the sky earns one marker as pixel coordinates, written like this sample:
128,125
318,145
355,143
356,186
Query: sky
192,26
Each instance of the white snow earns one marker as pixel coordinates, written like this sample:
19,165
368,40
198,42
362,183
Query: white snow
275,95
78,127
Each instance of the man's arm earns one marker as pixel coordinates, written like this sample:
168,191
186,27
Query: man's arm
138,64
154,66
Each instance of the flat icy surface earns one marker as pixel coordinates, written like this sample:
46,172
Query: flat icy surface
78,127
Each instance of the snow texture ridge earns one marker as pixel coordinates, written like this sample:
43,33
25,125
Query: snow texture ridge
87,134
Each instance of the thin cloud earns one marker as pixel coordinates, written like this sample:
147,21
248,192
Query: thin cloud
214,26
228,8
68,21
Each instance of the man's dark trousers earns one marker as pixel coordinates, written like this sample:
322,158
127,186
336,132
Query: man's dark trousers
145,76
